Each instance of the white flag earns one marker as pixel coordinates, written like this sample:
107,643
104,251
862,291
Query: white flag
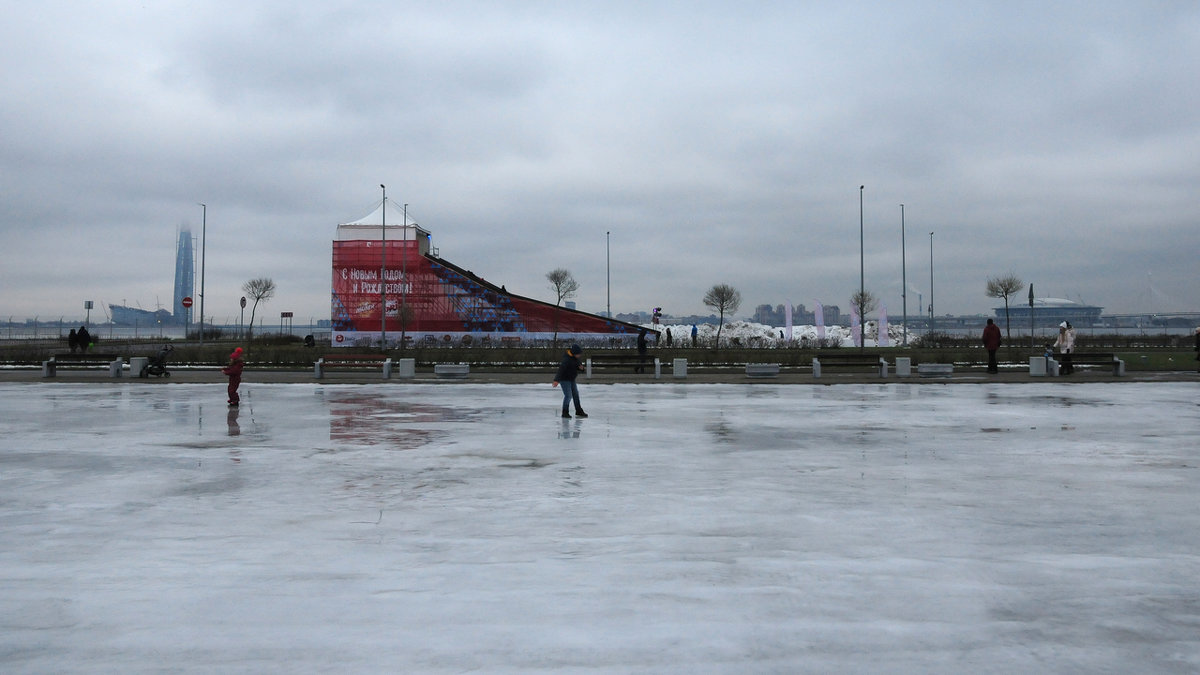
820,316
787,317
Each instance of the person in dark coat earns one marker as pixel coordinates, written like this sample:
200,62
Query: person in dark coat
568,370
991,342
72,340
234,371
641,347
1198,347
83,338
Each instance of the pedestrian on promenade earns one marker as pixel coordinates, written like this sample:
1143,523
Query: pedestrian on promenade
568,370
72,340
991,342
641,347
1198,347
1065,344
234,371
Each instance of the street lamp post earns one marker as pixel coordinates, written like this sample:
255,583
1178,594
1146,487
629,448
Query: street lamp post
404,281
931,319
862,286
383,273
608,270
903,279
203,240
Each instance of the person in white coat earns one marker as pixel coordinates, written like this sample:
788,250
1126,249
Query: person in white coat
1065,344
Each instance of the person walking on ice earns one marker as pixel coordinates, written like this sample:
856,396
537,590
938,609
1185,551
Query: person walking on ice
568,370
234,371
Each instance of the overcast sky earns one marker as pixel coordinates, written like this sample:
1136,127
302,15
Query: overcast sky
718,143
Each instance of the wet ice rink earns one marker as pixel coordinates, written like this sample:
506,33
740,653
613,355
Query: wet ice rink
683,528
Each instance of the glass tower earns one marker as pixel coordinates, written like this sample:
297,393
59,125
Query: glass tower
185,276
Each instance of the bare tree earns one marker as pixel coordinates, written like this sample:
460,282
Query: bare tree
723,299
260,290
865,302
1003,287
563,283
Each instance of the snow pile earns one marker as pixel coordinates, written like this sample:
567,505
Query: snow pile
751,334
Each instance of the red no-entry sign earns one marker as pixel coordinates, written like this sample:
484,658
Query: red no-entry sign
186,302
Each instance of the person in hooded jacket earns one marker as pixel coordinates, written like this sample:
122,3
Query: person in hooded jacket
234,371
1065,344
1198,347
568,370
991,342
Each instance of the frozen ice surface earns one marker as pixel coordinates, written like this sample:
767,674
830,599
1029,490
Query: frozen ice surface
683,528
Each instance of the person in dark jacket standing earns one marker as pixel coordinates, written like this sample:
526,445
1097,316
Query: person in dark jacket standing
84,338
1198,347
234,371
72,340
568,370
641,347
991,342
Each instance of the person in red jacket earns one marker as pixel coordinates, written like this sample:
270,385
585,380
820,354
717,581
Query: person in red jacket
234,371
991,342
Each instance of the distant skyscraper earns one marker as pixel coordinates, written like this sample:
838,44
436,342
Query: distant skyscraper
185,276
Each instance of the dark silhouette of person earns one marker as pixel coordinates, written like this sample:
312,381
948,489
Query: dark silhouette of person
72,340
234,371
568,370
84,338
641,347
991,342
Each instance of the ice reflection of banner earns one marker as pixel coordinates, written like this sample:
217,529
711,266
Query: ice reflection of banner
368,420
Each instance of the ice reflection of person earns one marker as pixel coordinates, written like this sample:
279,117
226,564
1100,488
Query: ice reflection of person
234,371
1065,344
568,370
231,419
991,342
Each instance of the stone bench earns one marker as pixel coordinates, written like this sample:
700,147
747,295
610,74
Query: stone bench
353,362
113,362
935,369
452,370
762,370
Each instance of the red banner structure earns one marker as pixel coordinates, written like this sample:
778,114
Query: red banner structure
432,300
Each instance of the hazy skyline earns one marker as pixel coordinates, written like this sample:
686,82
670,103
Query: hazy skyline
717,142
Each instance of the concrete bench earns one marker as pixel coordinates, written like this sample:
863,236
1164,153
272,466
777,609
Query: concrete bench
1099,359
762,370
452,370
353,362
113,362
849,359
631,361
935,369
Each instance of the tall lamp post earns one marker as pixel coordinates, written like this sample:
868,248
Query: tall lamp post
1031,316
862,286
903,278
203,239
404,280
931,320
608,270
383,273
